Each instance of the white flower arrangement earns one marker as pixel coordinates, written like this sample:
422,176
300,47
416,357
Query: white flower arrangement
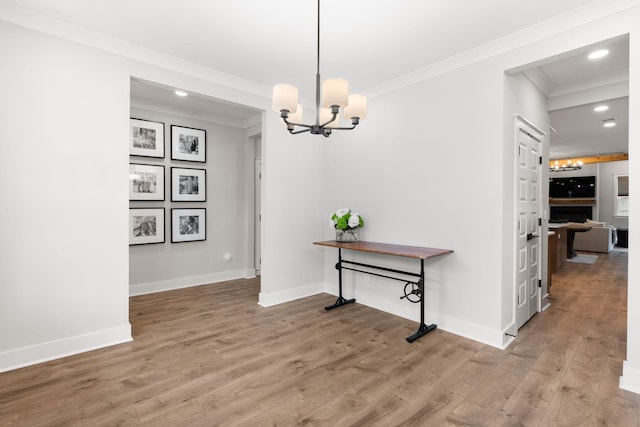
344,219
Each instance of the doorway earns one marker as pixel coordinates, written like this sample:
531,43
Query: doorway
225,208
573,86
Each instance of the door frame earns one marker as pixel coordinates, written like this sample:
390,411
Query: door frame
257,215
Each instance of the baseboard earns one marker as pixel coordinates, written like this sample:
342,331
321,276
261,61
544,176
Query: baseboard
187,282
545,302
493,337
630,379
274,298
509,335
27,356
463,328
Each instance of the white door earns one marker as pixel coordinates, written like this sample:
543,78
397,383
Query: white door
257,215
529,220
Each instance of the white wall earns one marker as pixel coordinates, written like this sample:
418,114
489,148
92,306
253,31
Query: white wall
434,167
293,190
630,379
425,169
169,265
68,105
63,257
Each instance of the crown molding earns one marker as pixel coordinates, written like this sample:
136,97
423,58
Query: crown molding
552,27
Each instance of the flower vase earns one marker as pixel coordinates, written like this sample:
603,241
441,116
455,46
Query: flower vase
349,235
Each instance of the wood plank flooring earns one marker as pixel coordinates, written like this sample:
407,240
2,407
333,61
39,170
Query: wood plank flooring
209,356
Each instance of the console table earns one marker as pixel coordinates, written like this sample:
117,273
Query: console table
416,291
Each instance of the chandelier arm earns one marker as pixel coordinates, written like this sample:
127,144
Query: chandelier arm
345,128
333,119
292,132
298,124
287,122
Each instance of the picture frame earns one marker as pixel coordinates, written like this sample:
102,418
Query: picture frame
188,185
146,226
146,182
188,225
146,138
188,144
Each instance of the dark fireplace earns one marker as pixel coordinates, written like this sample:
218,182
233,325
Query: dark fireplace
570,213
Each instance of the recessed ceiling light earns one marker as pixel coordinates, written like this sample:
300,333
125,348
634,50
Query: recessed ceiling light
601,108
609,124
597,54
181,93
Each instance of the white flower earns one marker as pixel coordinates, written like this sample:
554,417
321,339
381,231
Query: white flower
354,221
332,223
342,212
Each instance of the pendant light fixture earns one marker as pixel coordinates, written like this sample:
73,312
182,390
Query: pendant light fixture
331,96
566,167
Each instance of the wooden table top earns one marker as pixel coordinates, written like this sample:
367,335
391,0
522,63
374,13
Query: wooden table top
418,252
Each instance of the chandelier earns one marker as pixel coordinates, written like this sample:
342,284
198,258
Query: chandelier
331,96
569,166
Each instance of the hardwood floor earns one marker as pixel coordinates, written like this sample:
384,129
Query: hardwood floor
209,355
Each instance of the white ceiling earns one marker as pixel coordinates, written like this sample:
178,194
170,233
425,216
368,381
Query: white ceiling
577,129
267,42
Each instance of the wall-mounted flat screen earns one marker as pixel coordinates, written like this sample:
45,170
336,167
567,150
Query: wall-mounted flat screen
573,187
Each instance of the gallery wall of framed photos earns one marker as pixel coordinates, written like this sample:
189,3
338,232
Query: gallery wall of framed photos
186,202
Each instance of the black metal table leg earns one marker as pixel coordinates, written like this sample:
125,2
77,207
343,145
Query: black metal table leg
341,300
339,303
423,329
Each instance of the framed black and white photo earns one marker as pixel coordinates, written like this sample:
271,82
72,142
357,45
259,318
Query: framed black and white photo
188,144
188,185
188,225
146,138
146,225
146,182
